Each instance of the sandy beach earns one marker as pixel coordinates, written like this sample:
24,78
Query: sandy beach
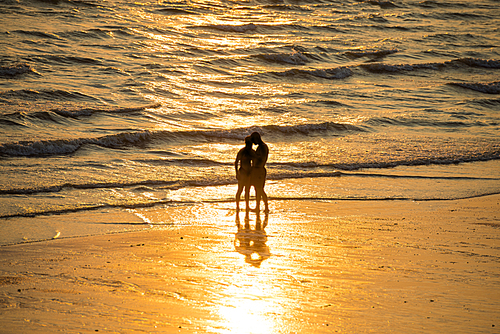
374,124
309,267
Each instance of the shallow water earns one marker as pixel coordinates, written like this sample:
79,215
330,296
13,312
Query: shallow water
108,106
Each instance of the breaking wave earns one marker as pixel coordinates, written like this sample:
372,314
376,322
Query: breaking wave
394,68
334,73
77,112
141,138
294,58
15,70
67,146
488,88
375,68
47,94
58,115
370,53
276,171
385,68
477,62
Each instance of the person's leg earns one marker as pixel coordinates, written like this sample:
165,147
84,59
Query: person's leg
254,187
264,195
238,196
258,222
237,220
247,200
247,196
258,195
257,182
264,198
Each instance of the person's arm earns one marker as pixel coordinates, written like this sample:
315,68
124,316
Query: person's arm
254,156
265,153
262,153
236,163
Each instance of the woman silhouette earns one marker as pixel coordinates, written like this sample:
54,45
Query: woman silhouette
243,168
259,172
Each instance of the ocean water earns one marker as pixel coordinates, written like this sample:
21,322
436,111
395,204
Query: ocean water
111,107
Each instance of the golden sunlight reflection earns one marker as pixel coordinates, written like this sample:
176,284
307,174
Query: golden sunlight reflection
249,303
252,242
245,311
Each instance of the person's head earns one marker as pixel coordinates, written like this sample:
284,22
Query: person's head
256,139
248,142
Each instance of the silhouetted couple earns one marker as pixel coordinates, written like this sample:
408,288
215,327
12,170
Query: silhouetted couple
250,171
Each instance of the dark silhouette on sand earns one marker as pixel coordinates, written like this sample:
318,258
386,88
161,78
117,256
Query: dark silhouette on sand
258,171
250,171
243,167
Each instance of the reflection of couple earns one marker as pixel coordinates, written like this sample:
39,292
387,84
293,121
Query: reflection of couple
250,171
252,243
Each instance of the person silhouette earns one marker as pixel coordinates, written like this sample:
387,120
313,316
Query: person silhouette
243,168
258,172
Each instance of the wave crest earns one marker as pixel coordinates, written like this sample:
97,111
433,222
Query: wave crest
47,94
334,73
15,70
371,53
234,28
488,88
67,146
141,138
294,58
477,62
110,110
392,68
382,4
384,68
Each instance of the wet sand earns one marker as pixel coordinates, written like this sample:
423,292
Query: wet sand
312,267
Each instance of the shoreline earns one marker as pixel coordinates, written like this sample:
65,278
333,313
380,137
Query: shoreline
43,216
318,266
123,220
252,199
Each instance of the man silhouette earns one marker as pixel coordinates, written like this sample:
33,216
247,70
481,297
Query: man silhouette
243,167
258,171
